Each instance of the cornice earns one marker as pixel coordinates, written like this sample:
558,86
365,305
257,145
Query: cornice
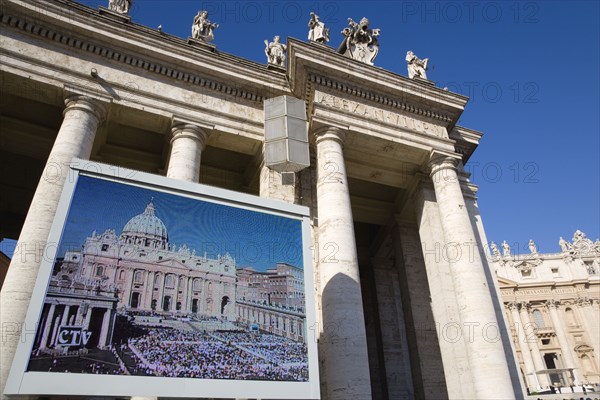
48,29
306,58
356,91
466,140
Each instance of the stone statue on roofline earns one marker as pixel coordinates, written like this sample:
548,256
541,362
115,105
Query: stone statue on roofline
317,33
416,66
505,249
202,28
495,251
360,43
564,245
119,6
532,247
275,52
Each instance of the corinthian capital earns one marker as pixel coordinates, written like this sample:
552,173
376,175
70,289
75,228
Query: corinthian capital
583,301
439,161
525,305
552,303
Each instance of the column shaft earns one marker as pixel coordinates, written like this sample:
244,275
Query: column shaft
104,330
47,326
487,359
187,145
530,375
344,344
75,139
538,361
563,341
591,323
161,291
459,382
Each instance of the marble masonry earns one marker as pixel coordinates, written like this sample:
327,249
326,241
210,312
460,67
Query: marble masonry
399,315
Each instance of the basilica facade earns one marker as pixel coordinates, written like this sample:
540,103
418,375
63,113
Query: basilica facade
150,274
377,157
552,303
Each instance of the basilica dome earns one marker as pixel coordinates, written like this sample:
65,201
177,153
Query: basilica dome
146,229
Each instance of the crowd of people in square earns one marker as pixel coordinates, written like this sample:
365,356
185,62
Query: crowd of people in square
170,352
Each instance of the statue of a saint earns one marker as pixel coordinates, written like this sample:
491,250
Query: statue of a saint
578,235
505,249
532,247
495,251
318,32
564,245
120,6
275,52
416,66
202,28
360,42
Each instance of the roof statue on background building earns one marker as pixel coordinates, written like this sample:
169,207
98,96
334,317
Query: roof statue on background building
505,249
202,28
495,251
564,245
416,66
360,42
532,247
581,244
275,52
317,33
120,6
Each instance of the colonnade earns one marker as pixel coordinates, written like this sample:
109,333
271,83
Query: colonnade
535,368
345,367
469,296
206,295
270,319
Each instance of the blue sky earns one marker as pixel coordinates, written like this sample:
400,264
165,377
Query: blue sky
254,239
529,67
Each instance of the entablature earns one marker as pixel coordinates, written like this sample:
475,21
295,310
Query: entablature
317,64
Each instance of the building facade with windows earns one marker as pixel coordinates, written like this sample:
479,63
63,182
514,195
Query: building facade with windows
386,189
151,274
552,303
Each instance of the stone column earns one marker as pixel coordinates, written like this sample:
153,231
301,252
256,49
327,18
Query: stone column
88,317
344,344
453,350
149,290
75,138
129,273
591,323
563,341
536,355
47,326
65,316
487,359
190,294
184,294
187,143
161,291
521,339
104,331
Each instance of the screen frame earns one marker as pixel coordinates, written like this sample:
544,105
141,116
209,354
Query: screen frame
22,382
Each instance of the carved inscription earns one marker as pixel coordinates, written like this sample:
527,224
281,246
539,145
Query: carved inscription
377,114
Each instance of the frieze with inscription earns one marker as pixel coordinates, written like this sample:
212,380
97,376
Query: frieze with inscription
378,114
545,291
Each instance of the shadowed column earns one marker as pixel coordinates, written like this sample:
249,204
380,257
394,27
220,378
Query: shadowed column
344,344
187,144
82,115
487,360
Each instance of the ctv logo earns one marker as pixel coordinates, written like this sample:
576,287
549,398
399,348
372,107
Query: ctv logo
72,336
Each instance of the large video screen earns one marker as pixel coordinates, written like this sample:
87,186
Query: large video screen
158,290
